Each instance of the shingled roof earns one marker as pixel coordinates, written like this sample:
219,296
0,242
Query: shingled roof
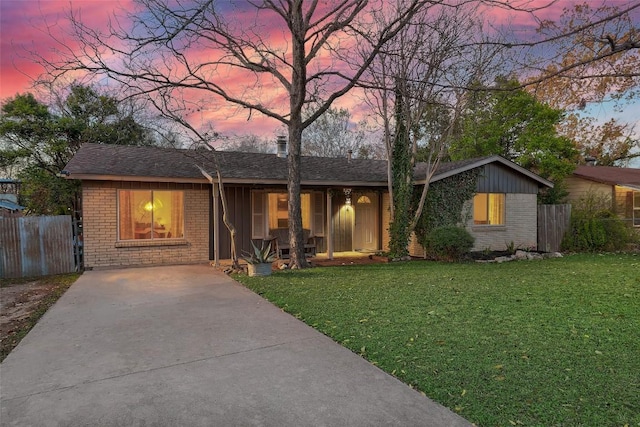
121,162
628,177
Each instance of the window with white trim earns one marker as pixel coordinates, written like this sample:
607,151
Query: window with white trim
489,209
150,214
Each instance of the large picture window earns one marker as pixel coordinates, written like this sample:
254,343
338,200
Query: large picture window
488,209
149,215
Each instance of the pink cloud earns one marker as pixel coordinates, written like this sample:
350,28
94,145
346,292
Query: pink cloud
25,27
28,26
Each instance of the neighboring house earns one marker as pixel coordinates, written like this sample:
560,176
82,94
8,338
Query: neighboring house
620,185
147,205
9,206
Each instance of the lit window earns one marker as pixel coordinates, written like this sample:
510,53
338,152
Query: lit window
279,210
148,215
276,208
488,209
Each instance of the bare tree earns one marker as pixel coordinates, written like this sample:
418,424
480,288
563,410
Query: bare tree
275,61
417,87
248,144
593,56
444,55
204,139
183,49
333,135
613,80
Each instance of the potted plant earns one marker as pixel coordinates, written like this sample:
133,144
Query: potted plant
259,261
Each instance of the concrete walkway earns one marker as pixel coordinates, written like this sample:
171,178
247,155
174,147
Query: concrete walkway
187,346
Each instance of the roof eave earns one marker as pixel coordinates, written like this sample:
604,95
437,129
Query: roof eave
485,161
606,181
96,177
252,181
591,178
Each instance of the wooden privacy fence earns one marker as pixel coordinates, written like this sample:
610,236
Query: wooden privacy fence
36,246
553,223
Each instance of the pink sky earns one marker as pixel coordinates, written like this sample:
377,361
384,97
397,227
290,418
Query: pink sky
25,26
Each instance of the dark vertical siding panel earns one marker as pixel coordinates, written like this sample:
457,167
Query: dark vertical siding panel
211,236
245,219
224,239
239,205
237,219
495,178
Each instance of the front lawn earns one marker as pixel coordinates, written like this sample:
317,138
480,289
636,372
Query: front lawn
545,343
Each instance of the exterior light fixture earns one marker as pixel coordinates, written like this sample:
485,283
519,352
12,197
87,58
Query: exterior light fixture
347,193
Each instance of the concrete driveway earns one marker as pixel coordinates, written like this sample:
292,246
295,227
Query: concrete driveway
187,346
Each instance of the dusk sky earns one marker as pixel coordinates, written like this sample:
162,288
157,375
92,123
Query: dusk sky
25,26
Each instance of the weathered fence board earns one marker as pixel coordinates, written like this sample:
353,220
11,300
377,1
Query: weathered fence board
553,223
36,246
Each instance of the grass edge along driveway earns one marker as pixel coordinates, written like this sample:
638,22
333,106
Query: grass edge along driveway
552,342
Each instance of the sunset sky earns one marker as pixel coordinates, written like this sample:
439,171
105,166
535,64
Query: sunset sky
25,26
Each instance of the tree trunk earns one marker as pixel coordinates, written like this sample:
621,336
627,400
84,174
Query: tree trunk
297,94
295,211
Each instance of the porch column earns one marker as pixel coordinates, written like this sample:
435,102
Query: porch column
216,224
329,232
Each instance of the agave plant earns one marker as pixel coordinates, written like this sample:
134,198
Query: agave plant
260,255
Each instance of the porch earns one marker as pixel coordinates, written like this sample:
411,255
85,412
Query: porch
336,221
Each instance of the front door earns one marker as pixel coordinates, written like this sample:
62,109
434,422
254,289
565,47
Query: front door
366,222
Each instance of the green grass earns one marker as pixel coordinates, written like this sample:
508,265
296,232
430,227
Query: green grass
536,343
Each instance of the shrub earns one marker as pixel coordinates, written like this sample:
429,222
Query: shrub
618,235
448,243
595,228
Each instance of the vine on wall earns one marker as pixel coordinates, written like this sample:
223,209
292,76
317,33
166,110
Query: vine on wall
402,183
445,202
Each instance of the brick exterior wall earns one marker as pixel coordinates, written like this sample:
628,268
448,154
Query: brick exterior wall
101,246
521,225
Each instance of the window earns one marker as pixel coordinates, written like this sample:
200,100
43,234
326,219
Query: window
271,210
636,208
149,215
488,209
